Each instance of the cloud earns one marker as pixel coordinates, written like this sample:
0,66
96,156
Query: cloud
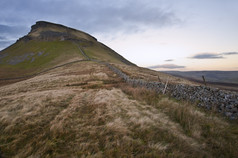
9,34
95,17
212,55
5,28
229,53
4,44
167,66
90,15
11,30
129,16
2,38
169,60
207,56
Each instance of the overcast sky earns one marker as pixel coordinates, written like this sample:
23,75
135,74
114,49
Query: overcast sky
160,34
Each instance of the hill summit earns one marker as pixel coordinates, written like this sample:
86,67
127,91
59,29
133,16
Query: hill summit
47,31
48,45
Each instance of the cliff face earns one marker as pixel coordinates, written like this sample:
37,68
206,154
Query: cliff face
46,31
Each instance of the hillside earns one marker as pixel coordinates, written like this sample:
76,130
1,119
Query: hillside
85,109
48,45
91,102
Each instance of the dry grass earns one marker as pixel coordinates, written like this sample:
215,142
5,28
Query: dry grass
84,110
150,75
216,135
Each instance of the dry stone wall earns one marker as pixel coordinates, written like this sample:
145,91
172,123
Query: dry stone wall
225,102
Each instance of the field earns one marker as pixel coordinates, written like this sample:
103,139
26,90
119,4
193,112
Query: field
85,110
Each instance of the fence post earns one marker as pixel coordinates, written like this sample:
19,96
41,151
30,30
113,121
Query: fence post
165,86
204,81
159,79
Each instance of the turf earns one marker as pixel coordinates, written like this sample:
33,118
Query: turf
46,55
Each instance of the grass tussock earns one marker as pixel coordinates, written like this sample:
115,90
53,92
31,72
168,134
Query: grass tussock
218,136
141,94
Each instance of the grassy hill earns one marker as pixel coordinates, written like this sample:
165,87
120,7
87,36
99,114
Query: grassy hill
84,109
49,44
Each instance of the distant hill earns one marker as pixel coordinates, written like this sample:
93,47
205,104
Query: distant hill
49,44
210,76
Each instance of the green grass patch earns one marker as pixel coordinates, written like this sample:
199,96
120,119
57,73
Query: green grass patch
97,51
46,54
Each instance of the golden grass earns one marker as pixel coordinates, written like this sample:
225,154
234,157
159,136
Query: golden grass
214,134
84,110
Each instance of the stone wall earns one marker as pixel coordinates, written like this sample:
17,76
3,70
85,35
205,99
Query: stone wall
225,102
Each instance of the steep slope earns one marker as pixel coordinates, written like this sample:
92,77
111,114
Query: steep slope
47,45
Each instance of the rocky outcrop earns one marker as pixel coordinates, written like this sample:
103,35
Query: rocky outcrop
47,31
66,34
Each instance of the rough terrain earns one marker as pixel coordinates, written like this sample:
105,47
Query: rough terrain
85,110
95,103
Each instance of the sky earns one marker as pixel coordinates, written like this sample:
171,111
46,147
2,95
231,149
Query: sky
163,35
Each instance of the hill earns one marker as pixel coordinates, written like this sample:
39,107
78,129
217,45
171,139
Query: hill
97,104
48,45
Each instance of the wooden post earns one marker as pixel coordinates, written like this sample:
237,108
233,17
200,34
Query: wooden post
165,86
159,79
204,81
